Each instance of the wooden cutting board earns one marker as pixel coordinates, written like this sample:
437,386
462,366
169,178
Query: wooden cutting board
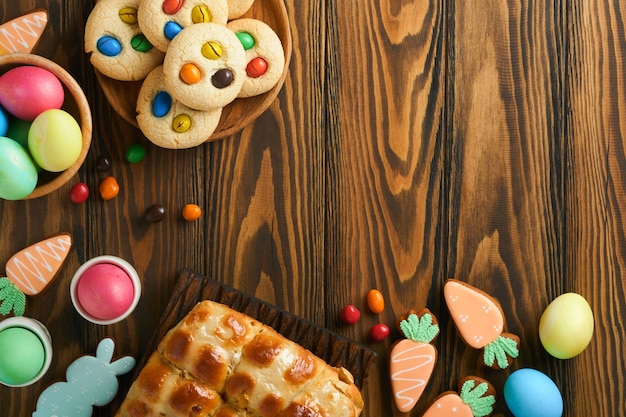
335,349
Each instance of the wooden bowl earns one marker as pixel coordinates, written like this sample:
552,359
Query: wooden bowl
75,103
122,95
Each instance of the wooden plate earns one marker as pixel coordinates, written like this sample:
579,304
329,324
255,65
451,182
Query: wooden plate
335,349
122,95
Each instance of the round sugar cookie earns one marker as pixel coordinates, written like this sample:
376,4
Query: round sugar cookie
168,123
205,66
162,20
265,57
118,48
237,8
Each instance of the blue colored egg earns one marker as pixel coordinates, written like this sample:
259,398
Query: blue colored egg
531,393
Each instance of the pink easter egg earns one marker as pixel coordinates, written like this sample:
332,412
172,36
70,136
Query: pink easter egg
105,291
26,91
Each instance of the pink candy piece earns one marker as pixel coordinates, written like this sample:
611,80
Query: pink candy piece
105,291
26,91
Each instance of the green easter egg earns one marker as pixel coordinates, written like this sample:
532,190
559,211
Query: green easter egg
21,355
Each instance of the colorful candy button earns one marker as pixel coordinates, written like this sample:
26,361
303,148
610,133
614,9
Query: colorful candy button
212,50
128,15
191,212
79,193
109,46
171,29
256,67
109,188
161,104
181,123
222,78
375,301
135,153
172,6
201,14
190,74
246,39
140,44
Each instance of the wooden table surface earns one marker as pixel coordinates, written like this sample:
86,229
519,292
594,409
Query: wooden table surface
412,141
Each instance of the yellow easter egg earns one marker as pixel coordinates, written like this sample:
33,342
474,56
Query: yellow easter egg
566,326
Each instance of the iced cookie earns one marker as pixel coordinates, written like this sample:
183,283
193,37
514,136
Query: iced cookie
118,48
475,398
237,8
205,66
161,20
265,58
168,123
413,359
479,320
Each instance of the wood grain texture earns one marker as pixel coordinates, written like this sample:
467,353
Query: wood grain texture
412,141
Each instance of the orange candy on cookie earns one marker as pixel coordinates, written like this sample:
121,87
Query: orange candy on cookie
480,322
413,359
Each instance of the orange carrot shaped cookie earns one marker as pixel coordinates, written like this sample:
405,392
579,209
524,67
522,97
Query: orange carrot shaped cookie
475,399
480,322
22,33
29,272
413,359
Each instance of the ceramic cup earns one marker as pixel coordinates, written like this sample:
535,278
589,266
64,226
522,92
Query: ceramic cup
26,348
105,289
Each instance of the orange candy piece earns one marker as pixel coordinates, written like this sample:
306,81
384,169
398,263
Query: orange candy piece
191,212
109,188
375,301
190,74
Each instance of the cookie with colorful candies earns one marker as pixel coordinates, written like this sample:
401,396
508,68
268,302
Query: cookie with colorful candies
204,67
162,20
117,46
265,57
168,123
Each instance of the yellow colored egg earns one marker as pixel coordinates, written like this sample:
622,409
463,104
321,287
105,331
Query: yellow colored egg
55,140
566,326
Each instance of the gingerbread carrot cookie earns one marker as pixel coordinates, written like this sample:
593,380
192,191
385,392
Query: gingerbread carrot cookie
413,359
480,322
475,398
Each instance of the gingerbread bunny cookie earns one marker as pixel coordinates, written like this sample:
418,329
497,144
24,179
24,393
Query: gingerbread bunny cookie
91,381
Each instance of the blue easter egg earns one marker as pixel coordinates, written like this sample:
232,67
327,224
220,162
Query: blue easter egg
531,393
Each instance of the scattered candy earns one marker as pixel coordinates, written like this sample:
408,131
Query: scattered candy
26,91
412,360
350,314
55,140
191,212
135,153
79,193
90,381
566,326
103,163
379,332
109,188
531,393
375,301
155,213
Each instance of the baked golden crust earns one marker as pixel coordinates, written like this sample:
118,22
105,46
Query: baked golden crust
219,362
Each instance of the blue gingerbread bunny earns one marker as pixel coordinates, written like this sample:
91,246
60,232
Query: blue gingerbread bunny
90,381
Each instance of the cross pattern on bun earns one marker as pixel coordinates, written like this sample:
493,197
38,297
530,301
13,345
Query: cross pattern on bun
220,362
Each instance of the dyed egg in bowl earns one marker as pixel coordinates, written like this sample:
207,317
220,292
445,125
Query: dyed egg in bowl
61,135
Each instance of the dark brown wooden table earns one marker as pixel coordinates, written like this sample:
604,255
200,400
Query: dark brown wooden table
412,141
